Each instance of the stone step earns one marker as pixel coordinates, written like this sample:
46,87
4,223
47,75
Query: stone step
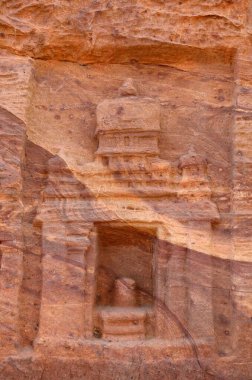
123,323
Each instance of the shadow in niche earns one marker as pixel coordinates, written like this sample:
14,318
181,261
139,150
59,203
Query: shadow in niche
124,251
124,281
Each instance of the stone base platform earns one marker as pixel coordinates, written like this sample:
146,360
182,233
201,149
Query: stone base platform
151,360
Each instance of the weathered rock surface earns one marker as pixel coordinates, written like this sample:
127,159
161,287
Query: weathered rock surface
126,182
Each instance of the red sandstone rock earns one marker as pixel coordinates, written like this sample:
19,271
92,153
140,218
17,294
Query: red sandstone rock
126,176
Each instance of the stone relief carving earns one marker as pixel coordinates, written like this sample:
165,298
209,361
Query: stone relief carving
138,265
119,207
127,161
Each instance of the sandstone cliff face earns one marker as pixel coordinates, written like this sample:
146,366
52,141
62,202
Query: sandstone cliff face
126,175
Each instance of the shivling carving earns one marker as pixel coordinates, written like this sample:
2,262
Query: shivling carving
123,320
124,292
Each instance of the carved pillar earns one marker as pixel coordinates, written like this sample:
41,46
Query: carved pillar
11,233
160,256
198,271
10,281
241,207
90,283
63,292
176,299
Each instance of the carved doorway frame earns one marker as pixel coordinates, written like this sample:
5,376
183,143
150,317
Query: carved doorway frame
91,271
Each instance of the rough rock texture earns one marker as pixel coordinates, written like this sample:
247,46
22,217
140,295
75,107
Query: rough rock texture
126,182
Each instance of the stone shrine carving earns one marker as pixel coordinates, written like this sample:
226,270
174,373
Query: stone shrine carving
125,204
125,208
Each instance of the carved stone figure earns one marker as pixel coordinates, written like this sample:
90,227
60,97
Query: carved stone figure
124,292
